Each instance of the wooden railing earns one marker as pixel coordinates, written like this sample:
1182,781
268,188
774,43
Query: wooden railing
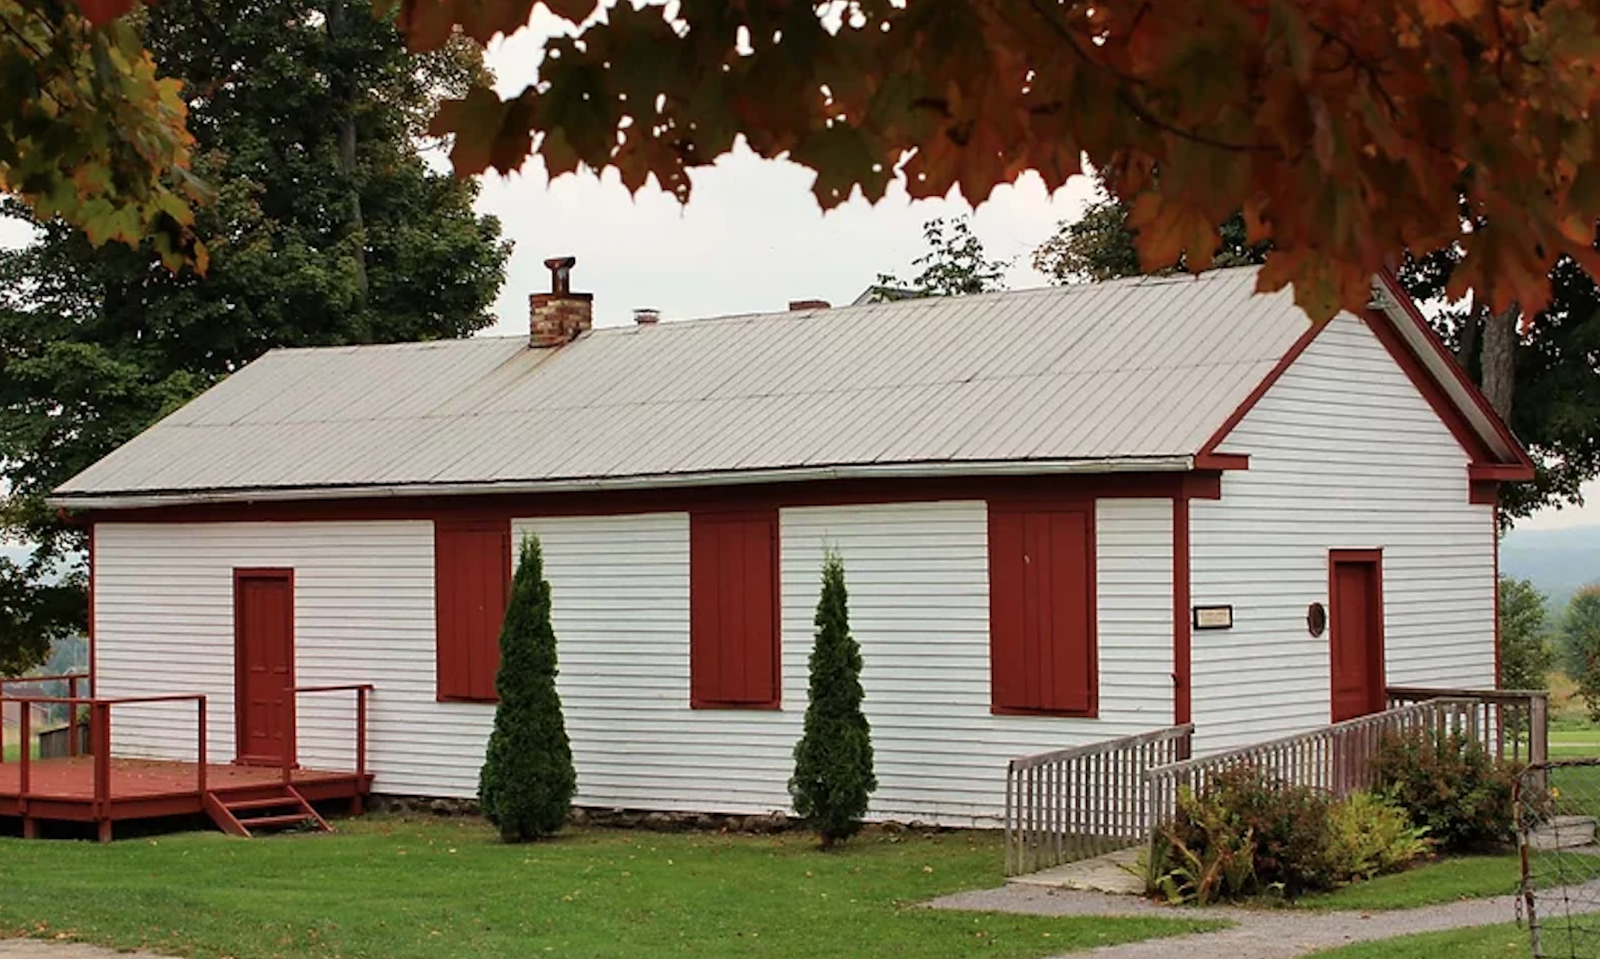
1078,803
1513,723
1335,759
362,691
74,681
100,744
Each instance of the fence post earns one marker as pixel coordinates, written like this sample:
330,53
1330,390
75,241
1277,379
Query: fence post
72,717
1539,728
200,746
27,748
100,745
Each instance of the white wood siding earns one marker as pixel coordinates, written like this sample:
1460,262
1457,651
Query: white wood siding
918,580
1344,454
919,607
364,613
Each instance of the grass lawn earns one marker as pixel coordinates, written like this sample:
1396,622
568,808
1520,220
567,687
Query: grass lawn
1446,880
12,752
1485,942
392,888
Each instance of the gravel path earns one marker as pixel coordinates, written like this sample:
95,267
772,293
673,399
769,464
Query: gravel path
1260,933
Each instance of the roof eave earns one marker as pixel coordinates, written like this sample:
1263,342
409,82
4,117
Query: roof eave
144,500
1392,300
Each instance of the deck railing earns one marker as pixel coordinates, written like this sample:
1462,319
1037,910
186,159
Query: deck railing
1078,803
74,681
1513,723
362,691
100,747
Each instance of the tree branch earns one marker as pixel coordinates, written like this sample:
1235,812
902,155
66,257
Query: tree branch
1126,99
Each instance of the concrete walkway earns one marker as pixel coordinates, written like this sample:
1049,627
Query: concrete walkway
1259,933
1116,872
48,949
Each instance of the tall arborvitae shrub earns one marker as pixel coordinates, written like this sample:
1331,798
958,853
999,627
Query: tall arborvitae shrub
527,781
833,760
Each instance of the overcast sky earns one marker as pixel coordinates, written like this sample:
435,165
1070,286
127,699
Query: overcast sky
751,238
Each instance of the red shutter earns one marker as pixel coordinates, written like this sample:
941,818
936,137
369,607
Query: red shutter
1041,610
733,609
472,583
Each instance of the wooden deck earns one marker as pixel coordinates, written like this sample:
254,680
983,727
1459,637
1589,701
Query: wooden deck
104,788
63,790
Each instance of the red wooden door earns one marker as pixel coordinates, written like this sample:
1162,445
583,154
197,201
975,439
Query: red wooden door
263,622
1356,598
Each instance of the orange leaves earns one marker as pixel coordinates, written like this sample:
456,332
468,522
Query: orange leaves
99,139
481,110
1347,130
101,12
1168,228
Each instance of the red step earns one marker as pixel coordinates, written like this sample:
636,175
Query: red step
226,814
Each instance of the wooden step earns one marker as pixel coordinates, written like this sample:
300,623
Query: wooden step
1563,832
227,814
244,805
256,822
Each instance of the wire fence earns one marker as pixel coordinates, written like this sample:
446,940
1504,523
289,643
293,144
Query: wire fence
1558,804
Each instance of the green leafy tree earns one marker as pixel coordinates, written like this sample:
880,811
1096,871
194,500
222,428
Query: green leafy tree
1100,245
527,782
1581,629
1526,653
833,761
955,263
328,227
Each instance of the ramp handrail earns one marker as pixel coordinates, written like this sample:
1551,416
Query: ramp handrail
1513,723
1073,804
1336,759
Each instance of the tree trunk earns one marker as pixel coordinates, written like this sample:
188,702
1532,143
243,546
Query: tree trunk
1499,359
347,150
1467,341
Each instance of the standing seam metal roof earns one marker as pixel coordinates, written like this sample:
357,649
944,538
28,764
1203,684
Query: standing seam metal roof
1131,369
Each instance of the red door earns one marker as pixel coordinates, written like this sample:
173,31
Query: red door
263,623
1356,601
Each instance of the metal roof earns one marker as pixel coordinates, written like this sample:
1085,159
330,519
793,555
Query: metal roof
1133,372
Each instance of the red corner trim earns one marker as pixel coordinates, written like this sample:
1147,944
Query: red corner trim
94,677
1222,461
1392,285
1182,637
1495,532
1496,473
1209,450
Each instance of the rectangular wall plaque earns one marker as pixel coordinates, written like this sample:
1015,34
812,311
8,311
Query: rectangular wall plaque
1213,617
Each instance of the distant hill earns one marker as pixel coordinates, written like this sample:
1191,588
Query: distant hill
1557,561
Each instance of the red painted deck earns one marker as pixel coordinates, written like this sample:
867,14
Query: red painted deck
63,789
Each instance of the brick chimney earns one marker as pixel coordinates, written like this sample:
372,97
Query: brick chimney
556,318
808,305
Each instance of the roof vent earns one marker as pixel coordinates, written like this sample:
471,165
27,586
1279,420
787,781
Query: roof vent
646,316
